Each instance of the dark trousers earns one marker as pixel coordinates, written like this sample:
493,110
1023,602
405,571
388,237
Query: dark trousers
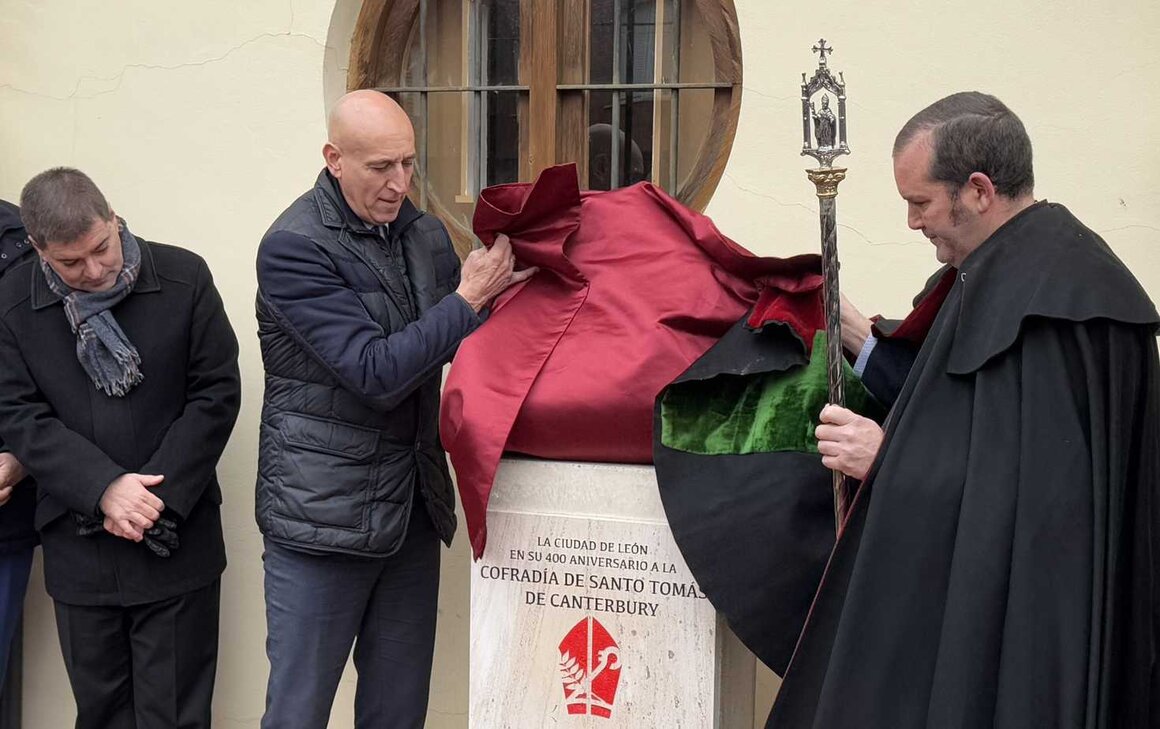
14,569
146,666
316,607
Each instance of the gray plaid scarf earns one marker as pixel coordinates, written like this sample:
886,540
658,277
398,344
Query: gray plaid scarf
109,358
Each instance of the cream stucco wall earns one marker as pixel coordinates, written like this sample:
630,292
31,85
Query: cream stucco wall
201,121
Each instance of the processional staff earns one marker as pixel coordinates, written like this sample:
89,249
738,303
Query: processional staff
830,133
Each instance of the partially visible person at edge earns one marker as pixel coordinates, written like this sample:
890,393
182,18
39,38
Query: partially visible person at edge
17,492
361,302
118,393
999,567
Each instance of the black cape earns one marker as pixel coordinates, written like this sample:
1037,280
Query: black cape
999,568
757,528
746,495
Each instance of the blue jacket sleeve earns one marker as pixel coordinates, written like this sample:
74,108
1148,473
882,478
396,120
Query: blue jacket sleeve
310,300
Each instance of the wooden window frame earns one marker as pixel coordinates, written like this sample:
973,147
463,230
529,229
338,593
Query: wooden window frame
553,104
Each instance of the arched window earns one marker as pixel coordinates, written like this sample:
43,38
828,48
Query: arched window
500,89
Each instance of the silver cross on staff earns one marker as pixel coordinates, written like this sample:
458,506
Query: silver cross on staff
821,48
829,132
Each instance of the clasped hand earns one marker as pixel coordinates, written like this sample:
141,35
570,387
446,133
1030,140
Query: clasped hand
130,507
11,473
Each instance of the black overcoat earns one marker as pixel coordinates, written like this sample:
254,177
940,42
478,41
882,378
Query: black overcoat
999,568
75,440
16,531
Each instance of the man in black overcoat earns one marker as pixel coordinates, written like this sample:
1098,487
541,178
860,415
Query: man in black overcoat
999,567
118,393
17,492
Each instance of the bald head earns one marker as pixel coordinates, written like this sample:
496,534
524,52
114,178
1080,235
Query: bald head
371,152
362,111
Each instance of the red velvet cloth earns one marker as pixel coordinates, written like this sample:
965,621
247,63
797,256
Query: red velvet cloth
632,288
795,301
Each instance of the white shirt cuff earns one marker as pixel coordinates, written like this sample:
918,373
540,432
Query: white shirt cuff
864,355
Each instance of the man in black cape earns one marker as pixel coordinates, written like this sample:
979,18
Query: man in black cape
999,567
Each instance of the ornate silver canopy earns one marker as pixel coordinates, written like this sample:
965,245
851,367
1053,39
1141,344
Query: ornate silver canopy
828,140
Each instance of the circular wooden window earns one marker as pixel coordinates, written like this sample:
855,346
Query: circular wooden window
629,90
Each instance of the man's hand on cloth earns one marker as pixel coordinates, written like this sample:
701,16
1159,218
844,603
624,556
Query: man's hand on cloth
11,473
487,272
129,507
847,441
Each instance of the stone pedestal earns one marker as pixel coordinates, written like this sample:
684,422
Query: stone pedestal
583,613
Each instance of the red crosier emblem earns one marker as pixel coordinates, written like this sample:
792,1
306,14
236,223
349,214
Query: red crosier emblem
589,669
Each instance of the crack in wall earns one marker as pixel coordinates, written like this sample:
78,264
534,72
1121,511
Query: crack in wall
766,196
814,210
879,244
119,77
1152,228
750,90
1136,70
437,712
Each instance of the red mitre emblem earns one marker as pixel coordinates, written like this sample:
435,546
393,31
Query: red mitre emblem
589,669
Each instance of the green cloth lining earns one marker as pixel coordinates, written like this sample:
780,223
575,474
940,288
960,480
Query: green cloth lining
764,413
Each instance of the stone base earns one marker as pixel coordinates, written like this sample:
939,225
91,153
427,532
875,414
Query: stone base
583,613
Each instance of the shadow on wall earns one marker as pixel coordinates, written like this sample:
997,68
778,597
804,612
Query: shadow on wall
336,60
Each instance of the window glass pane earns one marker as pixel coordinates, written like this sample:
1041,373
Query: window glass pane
411,104
502,135
500,25
671,40
600,42
443,140
446,46
635,50
697,64
695,110
664,157
635,119
637,41
413,71
637,124
599,140
498,64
